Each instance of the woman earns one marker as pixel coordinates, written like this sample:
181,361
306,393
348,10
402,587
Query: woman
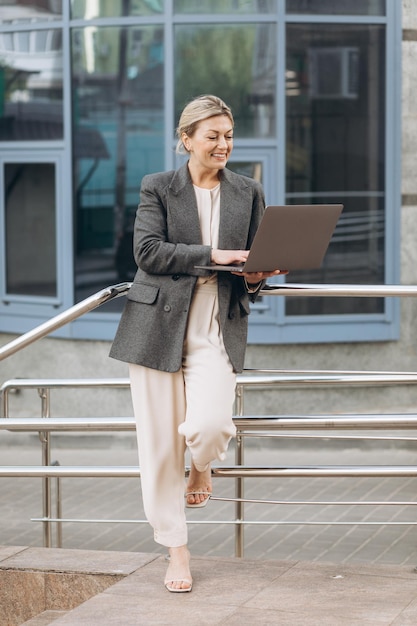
183,330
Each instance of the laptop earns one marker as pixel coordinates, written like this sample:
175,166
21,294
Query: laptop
291,237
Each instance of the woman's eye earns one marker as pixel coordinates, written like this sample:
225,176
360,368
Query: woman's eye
227,137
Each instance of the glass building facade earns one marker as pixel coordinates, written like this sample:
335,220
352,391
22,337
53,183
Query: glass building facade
90,93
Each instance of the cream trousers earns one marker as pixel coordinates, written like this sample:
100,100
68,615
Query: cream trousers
190,408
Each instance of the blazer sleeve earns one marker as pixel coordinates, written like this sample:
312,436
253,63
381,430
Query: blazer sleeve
258,209
154,251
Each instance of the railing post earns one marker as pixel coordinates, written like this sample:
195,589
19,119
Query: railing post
44,437
58,508
239,485
5,403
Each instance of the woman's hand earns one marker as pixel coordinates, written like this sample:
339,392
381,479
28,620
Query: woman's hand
229,257
255,277
236,257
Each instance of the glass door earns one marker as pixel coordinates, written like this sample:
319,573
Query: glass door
29,229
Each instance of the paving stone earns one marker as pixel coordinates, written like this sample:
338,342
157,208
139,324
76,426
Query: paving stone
45,618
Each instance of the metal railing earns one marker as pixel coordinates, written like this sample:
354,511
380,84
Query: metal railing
60,320
247,426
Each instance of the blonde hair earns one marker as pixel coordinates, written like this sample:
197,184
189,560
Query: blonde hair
199,109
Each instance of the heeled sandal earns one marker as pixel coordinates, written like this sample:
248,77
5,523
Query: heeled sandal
197,505
172,589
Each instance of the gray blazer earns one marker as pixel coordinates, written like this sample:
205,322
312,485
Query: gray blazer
167,246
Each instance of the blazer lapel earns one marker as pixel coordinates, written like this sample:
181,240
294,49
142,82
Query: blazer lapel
184,224
235,215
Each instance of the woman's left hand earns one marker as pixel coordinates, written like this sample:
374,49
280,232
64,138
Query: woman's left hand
255,277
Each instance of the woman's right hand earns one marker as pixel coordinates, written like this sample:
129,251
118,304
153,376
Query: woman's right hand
229,257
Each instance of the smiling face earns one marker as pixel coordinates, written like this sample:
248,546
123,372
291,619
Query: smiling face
211,144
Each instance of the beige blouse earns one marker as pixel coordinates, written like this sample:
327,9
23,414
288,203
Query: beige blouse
208,205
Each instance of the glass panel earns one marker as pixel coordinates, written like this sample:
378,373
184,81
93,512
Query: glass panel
337,7
29,200
336,152
86,9
31,86
118,108
253,169
236,63
227,6
15,11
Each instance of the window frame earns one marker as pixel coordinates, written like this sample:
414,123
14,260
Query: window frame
19,311
372,327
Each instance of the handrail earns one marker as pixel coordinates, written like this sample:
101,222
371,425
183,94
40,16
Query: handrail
342,290
85,306
244,424
133,471
120,289
251,379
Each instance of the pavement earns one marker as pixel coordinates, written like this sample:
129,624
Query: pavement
125,589
341,553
